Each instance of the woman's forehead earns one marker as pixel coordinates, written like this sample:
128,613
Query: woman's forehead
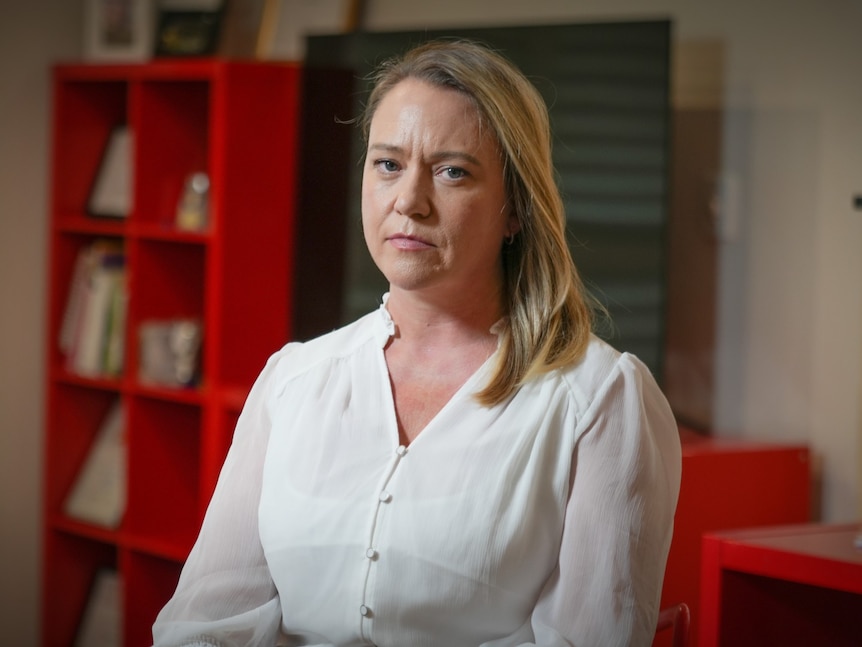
415,109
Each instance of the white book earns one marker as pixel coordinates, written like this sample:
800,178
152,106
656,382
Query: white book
89,348
112,193
75,302
99,494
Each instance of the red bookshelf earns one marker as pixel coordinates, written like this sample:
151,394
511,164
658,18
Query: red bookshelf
238,122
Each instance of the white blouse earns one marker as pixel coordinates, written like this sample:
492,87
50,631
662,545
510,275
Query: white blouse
545,520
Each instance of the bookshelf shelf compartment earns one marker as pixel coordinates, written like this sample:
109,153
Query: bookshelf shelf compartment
78,560
158,264
238,122
173,143
90,112
164,482
76,412
149,576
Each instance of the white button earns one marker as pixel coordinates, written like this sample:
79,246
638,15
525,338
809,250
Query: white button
371,553
401,450
365,611
385,496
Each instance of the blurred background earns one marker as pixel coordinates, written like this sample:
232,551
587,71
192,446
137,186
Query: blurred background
755,311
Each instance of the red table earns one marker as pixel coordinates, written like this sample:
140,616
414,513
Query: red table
785,585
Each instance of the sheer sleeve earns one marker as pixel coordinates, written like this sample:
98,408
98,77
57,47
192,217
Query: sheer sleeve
225,595
625,480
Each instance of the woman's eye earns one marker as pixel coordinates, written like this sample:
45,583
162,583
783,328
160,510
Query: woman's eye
387,166
454,172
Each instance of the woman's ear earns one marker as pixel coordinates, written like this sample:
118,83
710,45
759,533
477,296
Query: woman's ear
513,226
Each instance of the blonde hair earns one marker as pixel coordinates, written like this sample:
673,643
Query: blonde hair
549,315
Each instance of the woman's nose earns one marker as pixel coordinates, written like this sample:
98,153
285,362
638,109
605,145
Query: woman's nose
413,199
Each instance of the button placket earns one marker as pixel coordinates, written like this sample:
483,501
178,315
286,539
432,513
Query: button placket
372,554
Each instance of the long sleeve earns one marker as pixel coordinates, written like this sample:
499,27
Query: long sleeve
619,519
225,595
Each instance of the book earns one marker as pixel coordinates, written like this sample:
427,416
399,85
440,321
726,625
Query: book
92,332
116,327
98,495
112,192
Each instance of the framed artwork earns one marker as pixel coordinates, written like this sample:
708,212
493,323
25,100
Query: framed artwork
118,30
188,32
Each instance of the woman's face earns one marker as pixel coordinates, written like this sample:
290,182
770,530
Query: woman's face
434,208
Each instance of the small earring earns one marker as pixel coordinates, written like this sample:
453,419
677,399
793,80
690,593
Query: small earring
510,239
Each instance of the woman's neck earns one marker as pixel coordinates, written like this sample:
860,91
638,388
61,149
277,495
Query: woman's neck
437,323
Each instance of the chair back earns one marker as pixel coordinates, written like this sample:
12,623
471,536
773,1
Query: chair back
678,619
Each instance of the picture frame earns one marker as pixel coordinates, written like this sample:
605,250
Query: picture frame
188,32
118,30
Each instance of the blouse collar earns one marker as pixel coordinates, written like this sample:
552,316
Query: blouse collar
387,324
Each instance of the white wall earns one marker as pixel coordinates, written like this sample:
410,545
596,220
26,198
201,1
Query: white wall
790,348
801,292
32,35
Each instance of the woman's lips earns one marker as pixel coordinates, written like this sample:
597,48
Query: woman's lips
407,242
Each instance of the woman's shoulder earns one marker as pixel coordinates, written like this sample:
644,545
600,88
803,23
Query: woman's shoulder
619,389
601,365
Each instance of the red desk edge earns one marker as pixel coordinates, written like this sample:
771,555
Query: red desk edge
824,555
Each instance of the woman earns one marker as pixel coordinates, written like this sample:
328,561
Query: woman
467,465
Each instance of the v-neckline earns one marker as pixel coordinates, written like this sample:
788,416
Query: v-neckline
387,330
459,394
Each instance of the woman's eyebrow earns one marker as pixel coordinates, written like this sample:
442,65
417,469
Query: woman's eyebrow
458,155
386,148
436,156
